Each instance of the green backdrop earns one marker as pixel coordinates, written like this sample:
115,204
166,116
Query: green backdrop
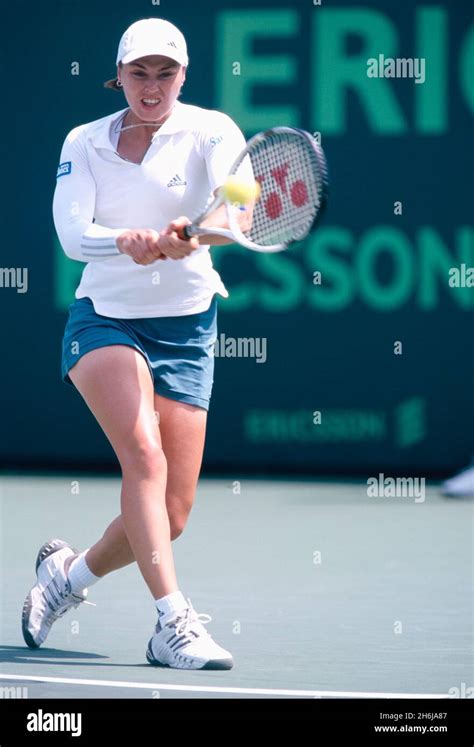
367,325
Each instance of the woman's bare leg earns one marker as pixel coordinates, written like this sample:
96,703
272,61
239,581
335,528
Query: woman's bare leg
116,384
179,424
110,553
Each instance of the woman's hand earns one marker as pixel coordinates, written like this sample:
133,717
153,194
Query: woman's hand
141,244
171,245
145,245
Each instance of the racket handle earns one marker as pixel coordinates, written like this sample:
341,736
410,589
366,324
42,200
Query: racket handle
186,233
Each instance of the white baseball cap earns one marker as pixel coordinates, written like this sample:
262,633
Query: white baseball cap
150,36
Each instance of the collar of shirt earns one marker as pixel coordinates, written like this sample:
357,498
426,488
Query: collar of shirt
99,132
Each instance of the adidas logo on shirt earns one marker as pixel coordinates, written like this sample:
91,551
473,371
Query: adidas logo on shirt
176,181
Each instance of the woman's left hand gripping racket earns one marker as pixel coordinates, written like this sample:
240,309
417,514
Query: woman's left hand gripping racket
290,168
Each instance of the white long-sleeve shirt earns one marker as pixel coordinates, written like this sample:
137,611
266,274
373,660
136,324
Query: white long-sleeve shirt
99,194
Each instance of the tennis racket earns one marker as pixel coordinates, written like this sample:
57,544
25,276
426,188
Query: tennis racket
290,166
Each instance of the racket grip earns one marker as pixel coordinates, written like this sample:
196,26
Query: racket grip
186,233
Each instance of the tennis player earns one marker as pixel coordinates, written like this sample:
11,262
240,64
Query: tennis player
139,341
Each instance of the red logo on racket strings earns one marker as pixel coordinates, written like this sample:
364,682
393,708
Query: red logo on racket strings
298,191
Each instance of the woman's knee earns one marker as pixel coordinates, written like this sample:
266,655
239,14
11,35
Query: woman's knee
176,527
143,457
178,514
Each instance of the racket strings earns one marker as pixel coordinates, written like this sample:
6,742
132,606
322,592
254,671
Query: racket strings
291,180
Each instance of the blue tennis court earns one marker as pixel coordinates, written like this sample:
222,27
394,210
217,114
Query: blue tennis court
318,591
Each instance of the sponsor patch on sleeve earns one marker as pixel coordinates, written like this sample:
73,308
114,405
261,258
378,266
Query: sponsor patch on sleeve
64,168
216,140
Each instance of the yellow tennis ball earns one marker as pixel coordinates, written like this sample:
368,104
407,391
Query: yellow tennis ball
238,190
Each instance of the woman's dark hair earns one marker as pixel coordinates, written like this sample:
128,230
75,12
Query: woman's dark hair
113,82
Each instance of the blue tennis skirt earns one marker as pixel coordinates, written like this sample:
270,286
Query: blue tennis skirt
179,350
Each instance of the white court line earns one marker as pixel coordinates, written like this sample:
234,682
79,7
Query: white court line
209,689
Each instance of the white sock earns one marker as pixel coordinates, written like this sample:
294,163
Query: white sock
80,575
169,606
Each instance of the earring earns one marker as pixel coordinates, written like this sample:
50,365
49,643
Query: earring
119,83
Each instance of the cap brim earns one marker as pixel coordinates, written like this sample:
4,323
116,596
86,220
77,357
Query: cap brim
164,52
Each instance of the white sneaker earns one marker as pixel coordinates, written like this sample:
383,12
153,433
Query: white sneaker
460,485
51,597
184,643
